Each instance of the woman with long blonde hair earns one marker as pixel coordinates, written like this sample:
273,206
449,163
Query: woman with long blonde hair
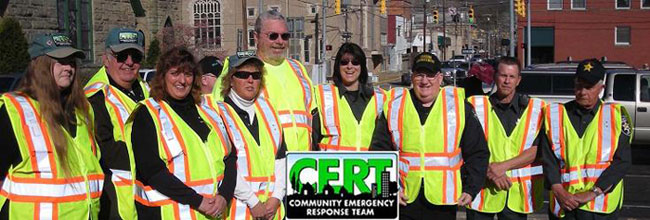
49,165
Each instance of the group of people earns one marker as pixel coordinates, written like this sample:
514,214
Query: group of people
204,140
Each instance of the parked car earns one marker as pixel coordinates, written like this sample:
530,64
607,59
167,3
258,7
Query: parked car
454,71
458,58
623,84
9,82
147,74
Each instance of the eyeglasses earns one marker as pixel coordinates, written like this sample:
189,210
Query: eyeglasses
245,75
122,56
274,36
354,62
421,75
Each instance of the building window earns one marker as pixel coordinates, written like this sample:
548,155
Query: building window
75,19
274,8
622,4
555,4
645,4
306,45
578,4
250,12
296,27
622,35
251,38
207,23
313,10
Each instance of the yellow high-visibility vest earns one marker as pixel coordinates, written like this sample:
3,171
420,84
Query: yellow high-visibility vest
37,187
340,129
583,159
429,152
525,194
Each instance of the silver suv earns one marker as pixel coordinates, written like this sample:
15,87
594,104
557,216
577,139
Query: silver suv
623,84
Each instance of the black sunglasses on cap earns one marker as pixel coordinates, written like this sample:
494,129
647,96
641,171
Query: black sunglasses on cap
245,75
274,36
121,57
354,62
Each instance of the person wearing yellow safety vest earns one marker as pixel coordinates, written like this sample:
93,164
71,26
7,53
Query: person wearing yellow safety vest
49,166
587,150
210,70
511,123
113,93
287,86
347,110
443,158
185,165
257,137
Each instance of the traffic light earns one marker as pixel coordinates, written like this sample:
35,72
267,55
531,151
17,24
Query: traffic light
435,16
520,8
470,14
337,7
382,6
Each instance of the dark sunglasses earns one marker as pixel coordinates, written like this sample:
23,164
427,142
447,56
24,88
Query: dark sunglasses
274,36
354,62
245,75
122,56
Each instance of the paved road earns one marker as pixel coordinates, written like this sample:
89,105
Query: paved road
636,203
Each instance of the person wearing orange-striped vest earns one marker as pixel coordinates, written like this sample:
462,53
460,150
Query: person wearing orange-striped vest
347,110
113,93
288,86
587,150
511,123
185,163
257,138
443,157
49,166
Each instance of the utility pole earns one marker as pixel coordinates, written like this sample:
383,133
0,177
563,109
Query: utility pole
512,28
244,25
528,40
424,35
259,7
323,72
316,37
444,32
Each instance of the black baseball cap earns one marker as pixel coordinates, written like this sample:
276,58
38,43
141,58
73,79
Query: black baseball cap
211,64
427,61
591,71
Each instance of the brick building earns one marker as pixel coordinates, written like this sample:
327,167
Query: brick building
580,29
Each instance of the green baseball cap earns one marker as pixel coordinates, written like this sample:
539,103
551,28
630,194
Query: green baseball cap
55,45
120,39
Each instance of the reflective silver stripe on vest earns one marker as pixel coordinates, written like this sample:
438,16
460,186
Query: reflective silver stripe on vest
205,105
270,119
582,174
329,115
526,171
607,136
37,137
155,196
452,119
393,121
51,190
436,161
286,119
555,131
237,138
120,175
536,112
97,85
171,141
479,108
112,98
379,101
306,89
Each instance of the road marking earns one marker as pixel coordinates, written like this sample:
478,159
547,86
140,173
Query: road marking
637,176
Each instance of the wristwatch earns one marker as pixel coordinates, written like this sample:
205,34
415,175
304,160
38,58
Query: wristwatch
597,191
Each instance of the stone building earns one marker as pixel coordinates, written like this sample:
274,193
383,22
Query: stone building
215,27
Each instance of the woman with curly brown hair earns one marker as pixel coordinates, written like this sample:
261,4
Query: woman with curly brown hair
185,168
49,167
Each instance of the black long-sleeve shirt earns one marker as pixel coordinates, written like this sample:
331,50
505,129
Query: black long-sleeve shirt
357,100
473,146
153,172
580,118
